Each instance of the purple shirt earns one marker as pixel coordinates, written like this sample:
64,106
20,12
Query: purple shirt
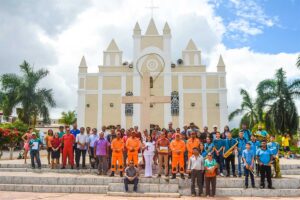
101,147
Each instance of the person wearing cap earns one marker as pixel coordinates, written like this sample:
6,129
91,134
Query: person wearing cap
162,147
35,146
192,143
177,147
68,140
117,147
248,158
133,145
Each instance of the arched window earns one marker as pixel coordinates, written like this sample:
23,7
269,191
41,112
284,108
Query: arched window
174,103
129,106
151,82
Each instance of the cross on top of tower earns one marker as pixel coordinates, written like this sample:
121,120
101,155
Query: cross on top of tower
152,7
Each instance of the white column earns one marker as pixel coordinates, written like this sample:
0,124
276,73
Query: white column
223,105
136,107
81,102
204,101
180,92
167,92
123,93
100,93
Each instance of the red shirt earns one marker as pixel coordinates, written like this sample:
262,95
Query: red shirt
68,139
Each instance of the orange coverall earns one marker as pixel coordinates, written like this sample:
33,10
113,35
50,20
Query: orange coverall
68,141
133,145
177,145
117,147
190,144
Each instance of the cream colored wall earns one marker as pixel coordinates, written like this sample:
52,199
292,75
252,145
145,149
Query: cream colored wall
191,69
213,111
129,83
222,82
157,111
129,120
91,112
192,82
91,82
175,121
192,114
111,115
111,82
212,82
81,83
174,83
115,69
156,41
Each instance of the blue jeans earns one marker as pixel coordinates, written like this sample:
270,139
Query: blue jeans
35,154
134,181
240,162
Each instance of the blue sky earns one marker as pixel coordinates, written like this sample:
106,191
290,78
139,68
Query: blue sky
282,36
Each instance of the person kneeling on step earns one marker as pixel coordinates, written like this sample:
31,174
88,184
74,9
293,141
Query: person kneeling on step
131,176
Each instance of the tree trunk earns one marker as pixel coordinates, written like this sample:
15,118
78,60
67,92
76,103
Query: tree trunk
11,152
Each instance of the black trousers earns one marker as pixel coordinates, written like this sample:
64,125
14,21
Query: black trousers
134,181
210,181
247,173
92,156
230,160
197,175
265,172
78,155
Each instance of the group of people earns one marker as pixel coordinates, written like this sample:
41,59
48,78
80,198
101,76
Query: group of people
200,155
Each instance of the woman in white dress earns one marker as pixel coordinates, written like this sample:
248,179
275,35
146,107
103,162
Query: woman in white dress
149,149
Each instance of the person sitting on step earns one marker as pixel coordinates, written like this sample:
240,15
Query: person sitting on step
131,176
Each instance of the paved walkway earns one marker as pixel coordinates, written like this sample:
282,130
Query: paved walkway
64,196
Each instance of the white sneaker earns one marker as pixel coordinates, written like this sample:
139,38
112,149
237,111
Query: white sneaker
221,174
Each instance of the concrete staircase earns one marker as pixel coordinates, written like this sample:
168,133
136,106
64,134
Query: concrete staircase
19,177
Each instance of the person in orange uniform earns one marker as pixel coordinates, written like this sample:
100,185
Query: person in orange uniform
192,143
133,145
177,147
68,140
117,146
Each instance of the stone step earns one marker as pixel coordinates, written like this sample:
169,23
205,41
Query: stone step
282,183
96,189
250,192
145,188
147,194
94,171
288,182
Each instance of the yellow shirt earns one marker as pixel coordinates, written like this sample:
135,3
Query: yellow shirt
285,141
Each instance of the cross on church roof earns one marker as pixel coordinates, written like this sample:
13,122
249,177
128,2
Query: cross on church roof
152,7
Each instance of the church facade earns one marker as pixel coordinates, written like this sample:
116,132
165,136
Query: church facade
195,95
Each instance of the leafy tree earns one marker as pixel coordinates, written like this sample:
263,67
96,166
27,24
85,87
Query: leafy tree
23,90
298,62
68,118
276,98
248,109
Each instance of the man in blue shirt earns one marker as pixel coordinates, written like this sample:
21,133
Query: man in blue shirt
264,157
248,158
218,151
274,147
229,143
255,145
261,132
241,147
246,132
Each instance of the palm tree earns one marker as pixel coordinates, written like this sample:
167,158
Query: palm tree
68,118
298,62
23,90
276,99
248,109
